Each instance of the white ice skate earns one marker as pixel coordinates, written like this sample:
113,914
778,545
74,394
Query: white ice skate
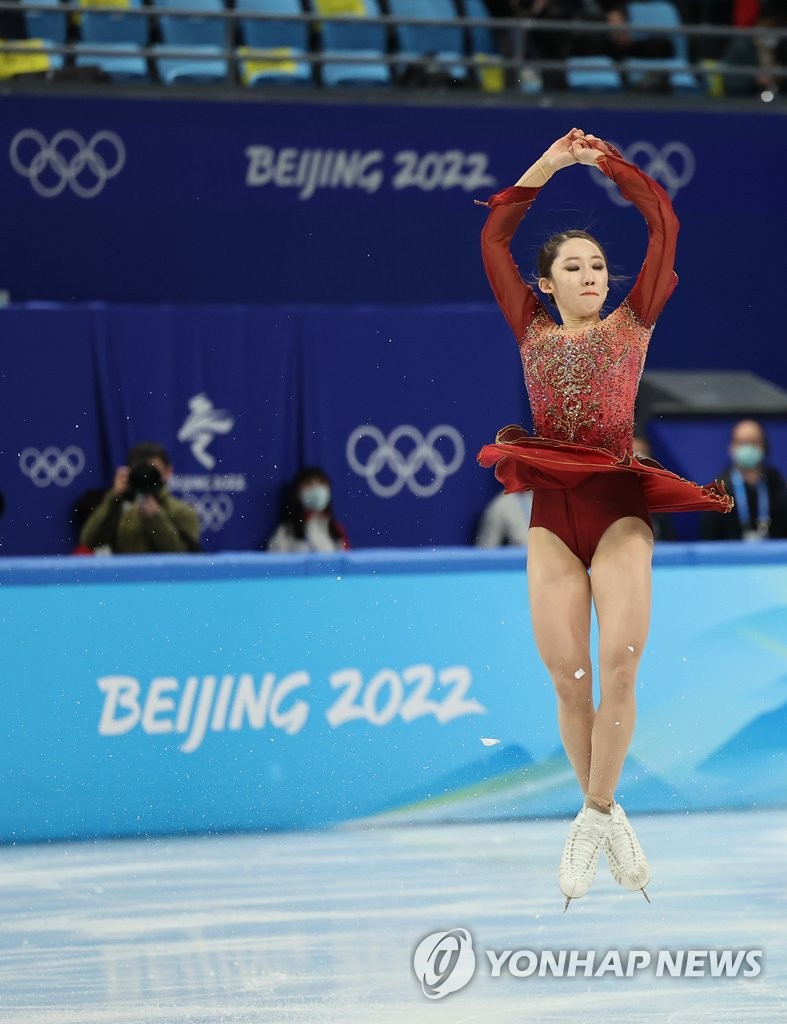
627,860
586,837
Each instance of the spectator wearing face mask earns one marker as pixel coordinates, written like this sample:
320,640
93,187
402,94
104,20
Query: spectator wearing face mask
759,491
308,523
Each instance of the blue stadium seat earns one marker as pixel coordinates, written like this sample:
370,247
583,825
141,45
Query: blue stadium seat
46,24
681,78
481,39
347,36
117,31
286,40
593,74
124,66
49,27
204,35
419,41
483,45
665,15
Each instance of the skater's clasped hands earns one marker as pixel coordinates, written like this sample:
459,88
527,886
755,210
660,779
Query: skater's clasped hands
574,148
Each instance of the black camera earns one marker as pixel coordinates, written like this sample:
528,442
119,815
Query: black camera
144,479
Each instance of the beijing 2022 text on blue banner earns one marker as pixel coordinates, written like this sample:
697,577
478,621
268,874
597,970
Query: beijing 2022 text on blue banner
180,694
244,217
188,201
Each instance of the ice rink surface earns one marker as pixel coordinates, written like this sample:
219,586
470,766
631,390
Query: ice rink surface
321,927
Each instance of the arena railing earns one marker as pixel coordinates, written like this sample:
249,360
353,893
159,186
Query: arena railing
518,31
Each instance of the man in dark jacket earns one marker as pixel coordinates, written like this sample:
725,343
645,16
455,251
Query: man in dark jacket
759,491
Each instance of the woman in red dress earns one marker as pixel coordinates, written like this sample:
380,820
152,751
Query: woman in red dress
590,532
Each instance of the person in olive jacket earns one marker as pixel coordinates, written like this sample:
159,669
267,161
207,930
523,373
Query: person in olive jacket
138,515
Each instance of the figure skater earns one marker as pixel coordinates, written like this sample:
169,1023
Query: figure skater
592,497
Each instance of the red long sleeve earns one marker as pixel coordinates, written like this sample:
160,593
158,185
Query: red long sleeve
657,279
515,298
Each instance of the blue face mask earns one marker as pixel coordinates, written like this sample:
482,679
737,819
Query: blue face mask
747,456
316,497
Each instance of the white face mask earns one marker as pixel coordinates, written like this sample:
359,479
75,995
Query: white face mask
747,456
315,497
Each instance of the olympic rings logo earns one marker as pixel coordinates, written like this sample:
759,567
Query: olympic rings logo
213,510
419,455
85,167
673,166
52,466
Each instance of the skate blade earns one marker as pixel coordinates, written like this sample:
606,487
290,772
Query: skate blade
642,890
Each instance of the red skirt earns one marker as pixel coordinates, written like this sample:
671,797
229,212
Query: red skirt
524,463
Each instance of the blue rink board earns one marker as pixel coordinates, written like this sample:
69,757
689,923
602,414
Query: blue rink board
245,692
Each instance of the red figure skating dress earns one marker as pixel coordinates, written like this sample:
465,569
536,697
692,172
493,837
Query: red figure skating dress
582,384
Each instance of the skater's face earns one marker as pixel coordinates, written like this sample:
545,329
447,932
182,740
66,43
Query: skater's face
578,279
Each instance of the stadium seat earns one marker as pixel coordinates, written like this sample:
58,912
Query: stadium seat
273,48
593,74
49,27
484,48
118,31
46,24
680,76
180,35
347,36
31,58
481,39
417,42
665,15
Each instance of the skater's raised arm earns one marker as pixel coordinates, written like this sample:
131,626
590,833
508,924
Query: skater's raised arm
562,153
506,210
657,279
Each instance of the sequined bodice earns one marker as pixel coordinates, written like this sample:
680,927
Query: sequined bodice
582,385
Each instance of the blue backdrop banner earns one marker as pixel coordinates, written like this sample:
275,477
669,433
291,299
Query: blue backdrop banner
168,694
243,396
397,405
394,402
175,200
218,387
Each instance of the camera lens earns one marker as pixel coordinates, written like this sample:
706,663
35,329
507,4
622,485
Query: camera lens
144,478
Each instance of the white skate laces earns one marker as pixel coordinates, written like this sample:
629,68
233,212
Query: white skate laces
586,837
627,860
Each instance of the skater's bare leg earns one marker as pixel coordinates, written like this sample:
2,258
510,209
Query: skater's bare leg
560,598
620,578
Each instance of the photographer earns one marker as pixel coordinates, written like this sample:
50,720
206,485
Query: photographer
138,515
